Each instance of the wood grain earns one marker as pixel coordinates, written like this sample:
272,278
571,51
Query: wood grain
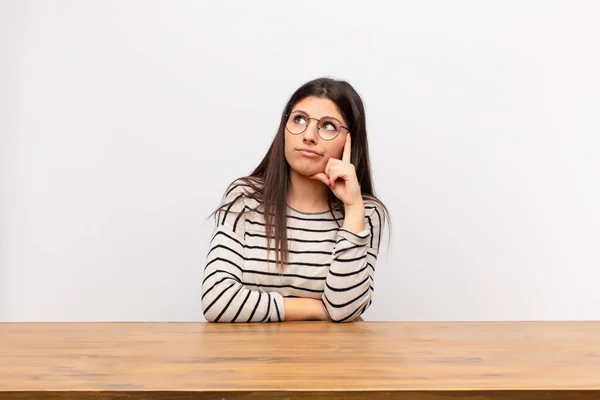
407,360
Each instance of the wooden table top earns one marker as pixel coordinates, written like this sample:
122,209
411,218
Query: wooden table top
418,360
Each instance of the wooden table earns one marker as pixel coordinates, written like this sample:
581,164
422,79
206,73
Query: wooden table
403,360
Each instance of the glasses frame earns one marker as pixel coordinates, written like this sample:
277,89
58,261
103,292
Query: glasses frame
287,116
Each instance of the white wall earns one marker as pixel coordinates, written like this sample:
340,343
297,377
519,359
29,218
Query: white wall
123,121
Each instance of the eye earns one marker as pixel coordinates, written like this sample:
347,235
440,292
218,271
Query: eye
329,126
299,119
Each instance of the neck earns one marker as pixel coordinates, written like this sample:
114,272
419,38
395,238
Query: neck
305,194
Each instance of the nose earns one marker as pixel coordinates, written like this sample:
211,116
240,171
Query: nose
310,133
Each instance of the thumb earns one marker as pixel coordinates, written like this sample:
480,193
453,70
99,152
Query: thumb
321,176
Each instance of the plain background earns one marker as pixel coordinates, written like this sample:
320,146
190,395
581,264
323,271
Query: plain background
122,122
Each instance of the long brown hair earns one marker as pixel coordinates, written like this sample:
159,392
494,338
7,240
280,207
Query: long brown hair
270,180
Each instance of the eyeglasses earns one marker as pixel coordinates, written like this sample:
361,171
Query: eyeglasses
328,128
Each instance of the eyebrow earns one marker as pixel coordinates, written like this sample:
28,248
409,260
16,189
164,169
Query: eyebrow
325,116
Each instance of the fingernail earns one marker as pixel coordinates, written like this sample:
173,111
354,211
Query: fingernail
329,185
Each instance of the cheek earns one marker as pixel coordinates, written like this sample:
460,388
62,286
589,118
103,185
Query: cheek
290,145
336,149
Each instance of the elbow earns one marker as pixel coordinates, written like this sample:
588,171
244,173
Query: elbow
208,319
340,315
346,312
218,311
214,316
209,315
216,300
212,313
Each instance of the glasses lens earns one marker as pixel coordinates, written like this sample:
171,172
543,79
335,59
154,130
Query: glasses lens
329,128
296,123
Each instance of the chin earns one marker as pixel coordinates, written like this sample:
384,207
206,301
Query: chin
306,170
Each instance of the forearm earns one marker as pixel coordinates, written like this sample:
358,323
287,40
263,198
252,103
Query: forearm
348,287
230,301
303,309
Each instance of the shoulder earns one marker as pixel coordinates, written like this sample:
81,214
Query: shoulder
237,200
237,188
241,189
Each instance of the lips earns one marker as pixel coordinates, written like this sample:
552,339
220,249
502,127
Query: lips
307,151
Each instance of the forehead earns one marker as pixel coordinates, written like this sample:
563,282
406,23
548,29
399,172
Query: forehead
317,107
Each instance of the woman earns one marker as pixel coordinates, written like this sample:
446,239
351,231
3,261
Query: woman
298,239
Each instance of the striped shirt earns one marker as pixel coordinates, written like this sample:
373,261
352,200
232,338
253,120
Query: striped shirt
242,284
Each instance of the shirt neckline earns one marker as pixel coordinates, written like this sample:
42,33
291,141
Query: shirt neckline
310,213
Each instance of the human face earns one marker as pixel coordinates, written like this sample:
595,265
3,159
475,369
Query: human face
307,153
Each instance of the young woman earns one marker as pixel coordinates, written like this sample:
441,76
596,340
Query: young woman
298,238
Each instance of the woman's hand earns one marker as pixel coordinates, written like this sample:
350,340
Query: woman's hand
340,176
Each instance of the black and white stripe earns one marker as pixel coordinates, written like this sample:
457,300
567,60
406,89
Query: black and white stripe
327,262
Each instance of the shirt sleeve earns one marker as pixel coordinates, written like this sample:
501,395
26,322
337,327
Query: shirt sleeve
349,286
225,298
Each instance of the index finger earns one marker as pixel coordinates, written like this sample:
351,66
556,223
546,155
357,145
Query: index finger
347,146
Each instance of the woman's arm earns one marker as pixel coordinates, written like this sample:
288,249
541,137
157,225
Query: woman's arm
302,309
349,285
225,298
